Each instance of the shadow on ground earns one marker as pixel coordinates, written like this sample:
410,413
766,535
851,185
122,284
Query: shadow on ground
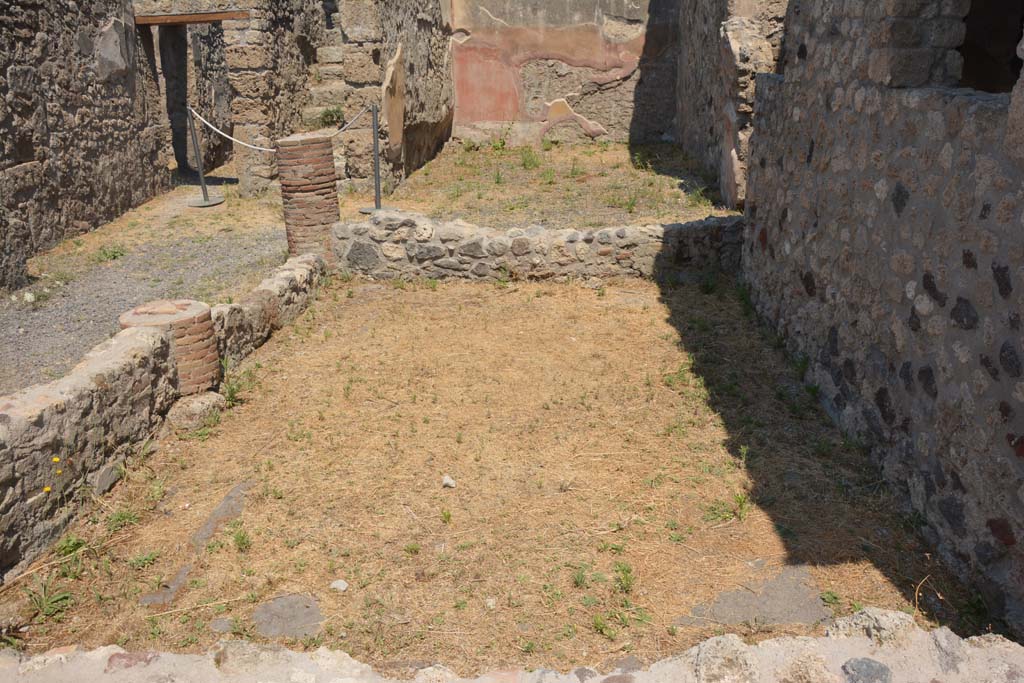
216,178
826,498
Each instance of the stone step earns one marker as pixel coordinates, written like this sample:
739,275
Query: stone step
351,104
354,64
330,54
329,94
311,117
333,37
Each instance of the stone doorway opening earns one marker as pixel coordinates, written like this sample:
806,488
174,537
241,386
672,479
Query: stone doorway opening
174,66
193,71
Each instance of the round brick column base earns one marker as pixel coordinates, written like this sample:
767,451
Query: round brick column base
193,342
305,165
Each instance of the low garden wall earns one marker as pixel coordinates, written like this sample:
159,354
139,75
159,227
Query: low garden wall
63,439
70,437
393,244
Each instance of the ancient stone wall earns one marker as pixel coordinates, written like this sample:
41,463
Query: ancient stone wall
405,245
722,45
584,68
269,57
884,240
418,87
393,53
70,437
209,90
82,132
345,80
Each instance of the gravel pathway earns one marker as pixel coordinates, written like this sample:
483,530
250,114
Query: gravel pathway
172,258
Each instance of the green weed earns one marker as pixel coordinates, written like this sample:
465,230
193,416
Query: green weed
121,518
143,561
47,600
240,537
718,511
624,577
69,545
602,627
528,157
110,252
332,117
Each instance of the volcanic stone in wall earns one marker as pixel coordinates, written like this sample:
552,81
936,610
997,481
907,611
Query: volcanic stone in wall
80,116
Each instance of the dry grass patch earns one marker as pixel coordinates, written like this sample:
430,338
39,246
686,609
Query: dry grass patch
557,186
622,455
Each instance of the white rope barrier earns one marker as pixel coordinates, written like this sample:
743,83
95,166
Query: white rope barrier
350,123
223,134
217,130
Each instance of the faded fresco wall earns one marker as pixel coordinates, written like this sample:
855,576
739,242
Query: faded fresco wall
884,241
722,45
582,68
80,115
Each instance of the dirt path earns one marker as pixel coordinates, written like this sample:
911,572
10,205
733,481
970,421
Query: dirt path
630,466
161,249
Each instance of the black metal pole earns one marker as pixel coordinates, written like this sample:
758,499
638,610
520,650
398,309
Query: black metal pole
376,159
199,157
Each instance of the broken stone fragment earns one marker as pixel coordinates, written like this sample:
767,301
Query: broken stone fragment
195,411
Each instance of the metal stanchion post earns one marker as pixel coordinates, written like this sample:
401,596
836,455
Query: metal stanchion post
376,158
374,111
206,201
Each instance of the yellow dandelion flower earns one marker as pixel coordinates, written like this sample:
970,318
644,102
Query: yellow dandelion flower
56,459
46,489
60,471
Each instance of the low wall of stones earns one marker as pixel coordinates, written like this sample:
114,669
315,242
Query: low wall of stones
65,439
242,327
884,242
395,244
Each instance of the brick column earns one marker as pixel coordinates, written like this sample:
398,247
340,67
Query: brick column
305,165
193,343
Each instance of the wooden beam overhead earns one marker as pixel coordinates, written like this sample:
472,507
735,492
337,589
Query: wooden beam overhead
194,18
